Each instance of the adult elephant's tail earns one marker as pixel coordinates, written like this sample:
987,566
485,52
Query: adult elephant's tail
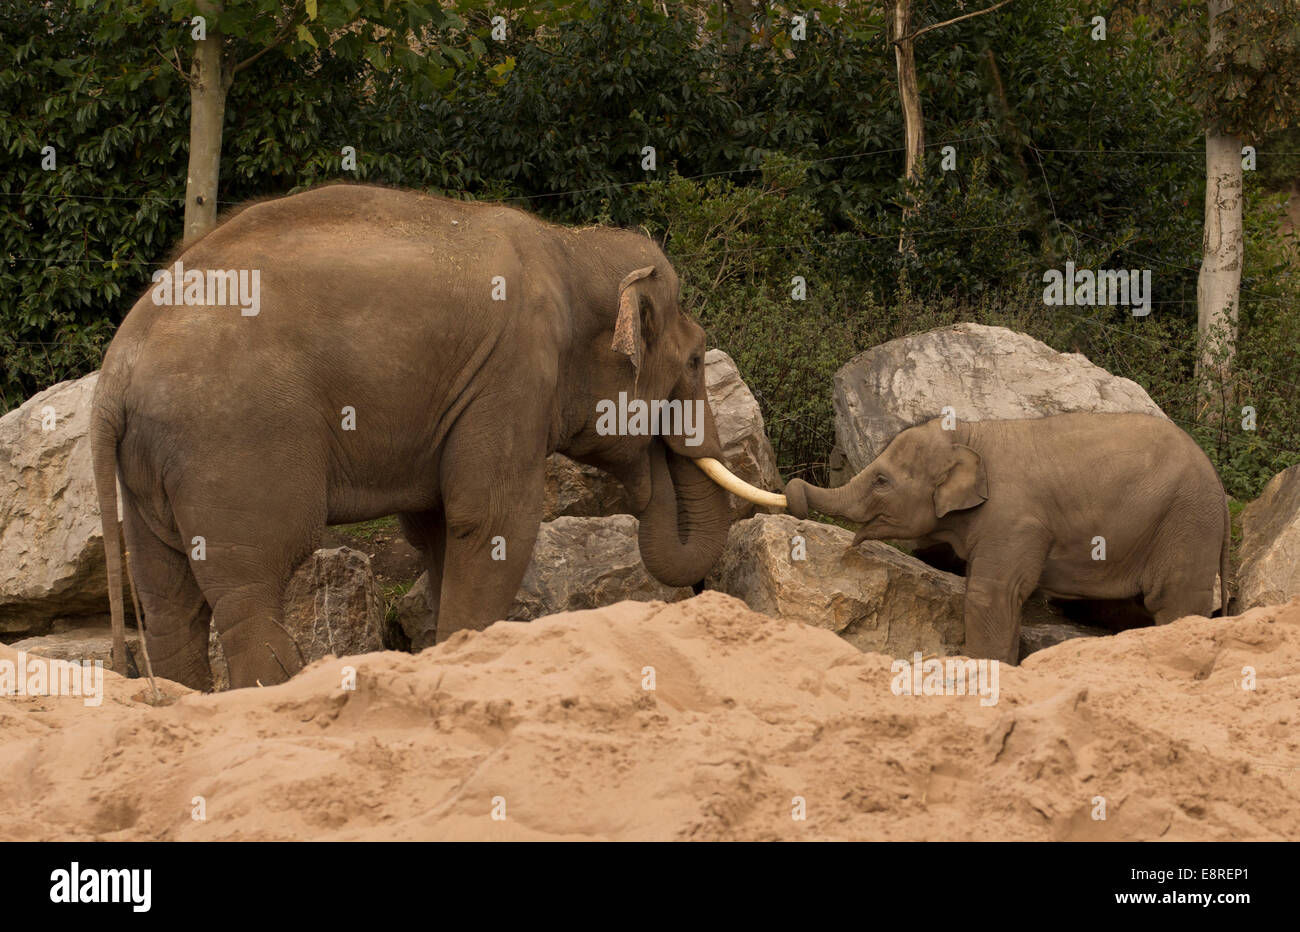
106,426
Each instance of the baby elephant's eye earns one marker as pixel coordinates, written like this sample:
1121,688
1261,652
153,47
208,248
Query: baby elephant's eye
881,481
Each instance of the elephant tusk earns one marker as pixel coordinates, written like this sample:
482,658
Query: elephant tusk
736,485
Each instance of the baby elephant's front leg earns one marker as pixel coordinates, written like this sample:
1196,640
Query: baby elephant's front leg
998,581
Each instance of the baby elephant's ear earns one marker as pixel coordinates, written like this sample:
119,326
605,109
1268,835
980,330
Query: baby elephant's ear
964,486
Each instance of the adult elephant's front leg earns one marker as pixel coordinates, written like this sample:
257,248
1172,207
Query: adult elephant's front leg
492,519
999,579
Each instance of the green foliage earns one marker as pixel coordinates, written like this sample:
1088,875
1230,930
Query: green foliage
1266,370
1248,84
1088,142
383,33
738,250
968,236
1279,160
76,242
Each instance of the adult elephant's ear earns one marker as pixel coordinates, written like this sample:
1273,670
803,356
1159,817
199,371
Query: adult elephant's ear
629,332
965,484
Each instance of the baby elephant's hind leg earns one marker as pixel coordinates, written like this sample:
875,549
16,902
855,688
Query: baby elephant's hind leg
1178,597
1178,588
1184,560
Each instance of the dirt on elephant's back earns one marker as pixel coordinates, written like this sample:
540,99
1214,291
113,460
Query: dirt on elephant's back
697,720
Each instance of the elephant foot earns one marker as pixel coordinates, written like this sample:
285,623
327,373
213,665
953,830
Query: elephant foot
191,669
260,654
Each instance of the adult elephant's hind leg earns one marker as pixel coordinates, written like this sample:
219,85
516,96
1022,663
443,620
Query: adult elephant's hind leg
259,649
251,551
176,617
427,532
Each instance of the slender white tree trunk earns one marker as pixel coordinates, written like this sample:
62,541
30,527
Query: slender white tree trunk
909,97
208,86
1218,288
909,92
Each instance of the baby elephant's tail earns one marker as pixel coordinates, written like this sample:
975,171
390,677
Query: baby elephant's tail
1224,557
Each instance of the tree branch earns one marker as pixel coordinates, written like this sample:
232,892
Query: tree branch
283,34
176,65
956,19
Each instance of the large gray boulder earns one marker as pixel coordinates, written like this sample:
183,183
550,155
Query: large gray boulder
982,373
575,490
577,563
872,595
581,563
1270,544
51,546
746,451
332,606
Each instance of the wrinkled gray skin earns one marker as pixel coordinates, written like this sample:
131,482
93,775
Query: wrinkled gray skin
230,427
1022,501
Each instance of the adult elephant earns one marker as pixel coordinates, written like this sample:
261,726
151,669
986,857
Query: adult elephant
403,354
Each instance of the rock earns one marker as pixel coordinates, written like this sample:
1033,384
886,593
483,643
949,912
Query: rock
838,471
332,605
575,490
983,373
579,491
581,563
73,641
578,563
51,546
875,597
416,613
746,451
1270,544
1036,637
217,660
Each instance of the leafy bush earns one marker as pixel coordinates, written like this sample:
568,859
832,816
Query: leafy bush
72,239
740,252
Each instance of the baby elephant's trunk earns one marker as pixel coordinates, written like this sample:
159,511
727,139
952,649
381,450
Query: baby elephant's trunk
841,503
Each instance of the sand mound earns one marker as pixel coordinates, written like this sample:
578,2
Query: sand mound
551,722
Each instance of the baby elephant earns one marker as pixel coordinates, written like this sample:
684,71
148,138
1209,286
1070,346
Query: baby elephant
1093,506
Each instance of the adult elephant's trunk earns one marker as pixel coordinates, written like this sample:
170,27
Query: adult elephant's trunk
843,502
684,525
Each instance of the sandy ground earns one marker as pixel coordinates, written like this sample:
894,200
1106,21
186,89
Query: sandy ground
549,724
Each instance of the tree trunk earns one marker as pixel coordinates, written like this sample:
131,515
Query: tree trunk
909,96
1219,284
208,86
909,93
